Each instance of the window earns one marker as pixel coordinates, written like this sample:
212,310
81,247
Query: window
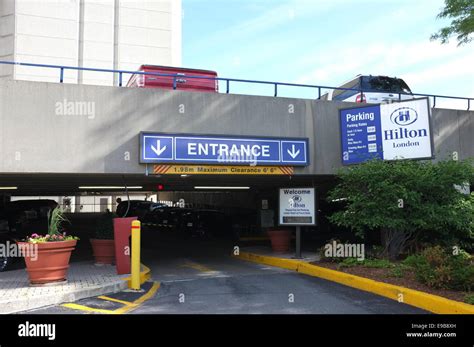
340,94
383,84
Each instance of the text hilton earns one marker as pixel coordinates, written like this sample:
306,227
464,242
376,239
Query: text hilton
402,134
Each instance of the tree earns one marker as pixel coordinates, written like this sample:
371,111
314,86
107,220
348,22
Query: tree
404,198
462,25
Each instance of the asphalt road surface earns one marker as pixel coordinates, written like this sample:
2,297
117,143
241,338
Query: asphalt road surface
200,277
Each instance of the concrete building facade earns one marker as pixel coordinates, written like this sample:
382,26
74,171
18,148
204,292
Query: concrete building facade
109,34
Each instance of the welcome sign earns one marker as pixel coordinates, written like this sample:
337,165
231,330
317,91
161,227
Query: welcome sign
389,131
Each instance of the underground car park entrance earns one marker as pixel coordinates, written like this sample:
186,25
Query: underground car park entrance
195,190
182,214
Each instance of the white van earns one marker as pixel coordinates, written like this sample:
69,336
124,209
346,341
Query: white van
375,90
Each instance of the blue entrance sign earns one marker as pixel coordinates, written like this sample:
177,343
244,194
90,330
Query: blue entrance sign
225,150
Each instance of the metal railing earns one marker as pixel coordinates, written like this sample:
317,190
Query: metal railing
319,88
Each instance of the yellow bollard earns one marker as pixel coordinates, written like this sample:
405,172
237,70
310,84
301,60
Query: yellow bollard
136,230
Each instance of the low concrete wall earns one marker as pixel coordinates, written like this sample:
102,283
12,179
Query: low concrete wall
42,132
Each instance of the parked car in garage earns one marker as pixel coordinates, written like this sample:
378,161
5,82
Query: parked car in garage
5,238
205,223
137,208
23,214
158,217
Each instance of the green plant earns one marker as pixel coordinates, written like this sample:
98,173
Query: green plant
56,219
469,299
349,262
370,263
461,13
398,271
406,199
440,268
105,227
375,252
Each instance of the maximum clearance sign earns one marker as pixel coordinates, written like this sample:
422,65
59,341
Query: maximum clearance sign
399,130
180,169
159,148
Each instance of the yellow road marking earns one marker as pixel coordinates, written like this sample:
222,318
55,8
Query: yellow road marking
87,309
197,267
128,306
115,300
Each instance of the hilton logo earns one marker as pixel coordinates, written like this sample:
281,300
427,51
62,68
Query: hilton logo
404,116
296,201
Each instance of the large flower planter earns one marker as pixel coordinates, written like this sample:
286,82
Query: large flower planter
280,239
104,251
51,262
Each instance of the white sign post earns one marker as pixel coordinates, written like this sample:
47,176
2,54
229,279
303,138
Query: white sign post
297,208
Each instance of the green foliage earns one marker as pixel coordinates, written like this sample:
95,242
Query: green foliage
439,268
462,24
399,270
469,299
370,263
56,219
105,227
375,252
373,191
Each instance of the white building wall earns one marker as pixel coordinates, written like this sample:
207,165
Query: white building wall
96,48
120,34
46,32
7,35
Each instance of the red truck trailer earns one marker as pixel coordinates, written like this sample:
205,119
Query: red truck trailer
183,82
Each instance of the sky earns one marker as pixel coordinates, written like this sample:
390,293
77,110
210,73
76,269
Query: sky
325,42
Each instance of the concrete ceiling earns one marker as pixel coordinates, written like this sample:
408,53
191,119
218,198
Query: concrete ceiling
68,184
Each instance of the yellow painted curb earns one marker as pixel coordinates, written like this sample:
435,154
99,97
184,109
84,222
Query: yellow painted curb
289,264
429,302
127,306
145,275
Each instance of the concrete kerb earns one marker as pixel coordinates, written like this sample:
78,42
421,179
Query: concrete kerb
86,287
28,304
429,302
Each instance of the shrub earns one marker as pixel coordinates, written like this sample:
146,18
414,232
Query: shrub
370,263
398,270
469,299
439,268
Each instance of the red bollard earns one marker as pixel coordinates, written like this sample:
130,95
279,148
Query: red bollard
122,233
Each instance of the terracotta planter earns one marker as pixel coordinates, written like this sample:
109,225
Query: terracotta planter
280,239
104,251
51,262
